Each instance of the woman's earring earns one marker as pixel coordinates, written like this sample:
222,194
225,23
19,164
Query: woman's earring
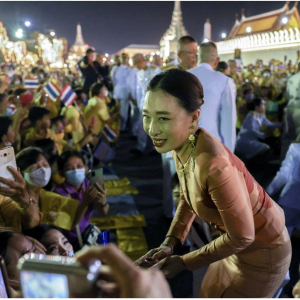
192,137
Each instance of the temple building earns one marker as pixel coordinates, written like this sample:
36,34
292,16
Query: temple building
79,48
168,42
271,35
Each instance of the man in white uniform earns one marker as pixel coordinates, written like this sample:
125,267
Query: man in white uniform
218,114
144,75
121,89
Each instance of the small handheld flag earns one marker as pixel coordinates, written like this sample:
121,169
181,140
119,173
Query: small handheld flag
52,90
109,134
67,95
31,83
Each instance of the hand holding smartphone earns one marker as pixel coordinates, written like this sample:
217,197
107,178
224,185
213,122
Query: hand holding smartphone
96,176
7,159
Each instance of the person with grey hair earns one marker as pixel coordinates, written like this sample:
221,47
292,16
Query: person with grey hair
218,115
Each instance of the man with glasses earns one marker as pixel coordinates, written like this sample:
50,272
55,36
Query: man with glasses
187,49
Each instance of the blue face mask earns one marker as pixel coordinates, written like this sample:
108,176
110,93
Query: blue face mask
75,177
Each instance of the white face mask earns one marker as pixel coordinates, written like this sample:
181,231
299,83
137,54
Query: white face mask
17,82
39,177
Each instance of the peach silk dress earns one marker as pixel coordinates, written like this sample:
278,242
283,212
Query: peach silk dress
253,253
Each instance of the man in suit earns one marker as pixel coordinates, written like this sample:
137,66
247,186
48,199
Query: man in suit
218,114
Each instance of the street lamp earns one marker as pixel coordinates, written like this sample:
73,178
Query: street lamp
52,33
19,33
106,54
248,29
223,35
27,23
206,40
284,20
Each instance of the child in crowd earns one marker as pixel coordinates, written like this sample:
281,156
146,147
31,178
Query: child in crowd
40,120
72,167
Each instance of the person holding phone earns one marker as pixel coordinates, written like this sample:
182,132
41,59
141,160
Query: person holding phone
253,253
72,167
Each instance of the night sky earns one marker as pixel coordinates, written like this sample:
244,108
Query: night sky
111,25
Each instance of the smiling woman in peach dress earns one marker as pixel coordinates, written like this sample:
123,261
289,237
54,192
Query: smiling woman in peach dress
253,253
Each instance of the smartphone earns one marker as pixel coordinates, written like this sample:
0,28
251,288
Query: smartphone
5,291
57,277
93,121
7,158
96,176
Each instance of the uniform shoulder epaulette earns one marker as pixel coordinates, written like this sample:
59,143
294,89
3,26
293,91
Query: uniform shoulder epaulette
169,67
295,142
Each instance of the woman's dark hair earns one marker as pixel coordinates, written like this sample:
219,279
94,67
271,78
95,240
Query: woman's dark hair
255,102
65,156
96,88
222,66
47,146
58,118
19,92
39,231
5,236
27,157
5,123
182,85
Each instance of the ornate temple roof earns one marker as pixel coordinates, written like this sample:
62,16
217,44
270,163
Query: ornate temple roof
176,29
266,22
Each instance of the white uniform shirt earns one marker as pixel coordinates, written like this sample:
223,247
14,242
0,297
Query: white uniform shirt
218,113
143,78
119,79
288,177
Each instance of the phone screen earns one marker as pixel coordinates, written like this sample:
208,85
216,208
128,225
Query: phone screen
44,285
3,291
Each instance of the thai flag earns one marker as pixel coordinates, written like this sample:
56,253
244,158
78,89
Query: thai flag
67,96
109,134
281,67
31,83
52,90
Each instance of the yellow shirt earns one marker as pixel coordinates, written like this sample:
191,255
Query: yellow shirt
10,214
32,136
72,115
97,108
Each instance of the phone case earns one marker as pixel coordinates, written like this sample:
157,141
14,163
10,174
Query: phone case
7,158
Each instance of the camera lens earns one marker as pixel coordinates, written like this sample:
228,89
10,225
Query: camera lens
5,154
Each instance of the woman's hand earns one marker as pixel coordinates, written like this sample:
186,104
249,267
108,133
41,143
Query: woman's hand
123,276
154,256
89,195
101,194
16,190
170,266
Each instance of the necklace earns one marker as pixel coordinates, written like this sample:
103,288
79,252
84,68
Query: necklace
189,166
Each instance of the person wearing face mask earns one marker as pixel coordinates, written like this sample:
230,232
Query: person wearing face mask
247,141
56,209
71,166
97,109
40,120
52,239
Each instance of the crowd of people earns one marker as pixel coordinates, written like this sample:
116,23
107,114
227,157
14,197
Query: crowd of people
214,124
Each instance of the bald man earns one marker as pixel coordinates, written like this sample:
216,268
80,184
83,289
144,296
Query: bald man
218,114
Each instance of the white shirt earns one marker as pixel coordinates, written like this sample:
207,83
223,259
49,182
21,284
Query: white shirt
143,78
218,113
120,82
